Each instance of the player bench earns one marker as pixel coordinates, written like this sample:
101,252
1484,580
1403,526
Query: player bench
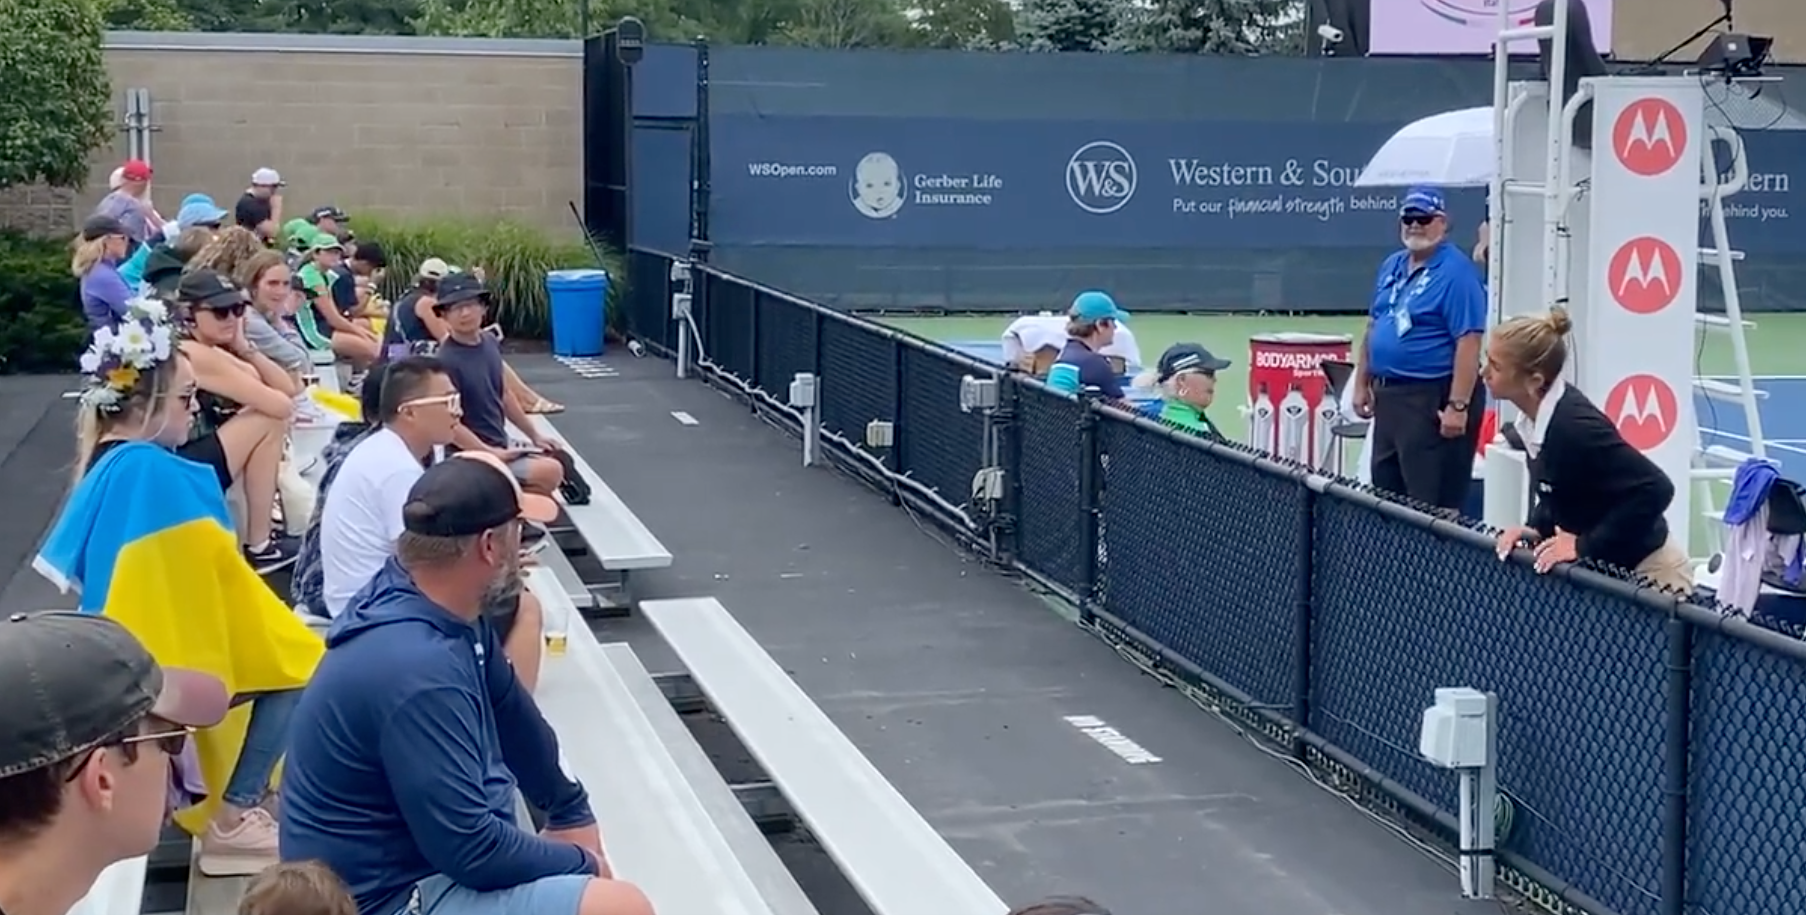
609,531
672,825
896,861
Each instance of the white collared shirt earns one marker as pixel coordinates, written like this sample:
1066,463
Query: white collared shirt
1529,429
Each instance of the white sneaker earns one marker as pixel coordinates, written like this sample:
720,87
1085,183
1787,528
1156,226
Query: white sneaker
244,850
310,415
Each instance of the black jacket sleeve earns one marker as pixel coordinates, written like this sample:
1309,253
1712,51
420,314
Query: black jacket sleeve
1633,490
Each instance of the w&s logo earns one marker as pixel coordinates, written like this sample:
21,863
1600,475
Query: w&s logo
1101,177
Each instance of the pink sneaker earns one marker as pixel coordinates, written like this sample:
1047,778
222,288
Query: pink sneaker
243,851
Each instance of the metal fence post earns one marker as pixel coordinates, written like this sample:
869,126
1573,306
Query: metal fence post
1301,635
1675,775
1091,486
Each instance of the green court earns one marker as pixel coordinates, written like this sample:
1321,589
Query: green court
1777,347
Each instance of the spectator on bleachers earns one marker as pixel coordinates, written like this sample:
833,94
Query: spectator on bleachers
146,538
1187,380
99,250
297,888
364,261
87,734
474,359
259,209
197,213
1090,327
1597,497
324,326
229,248
129,203
265,278
329,220
412,737
164,264
245,403
415,326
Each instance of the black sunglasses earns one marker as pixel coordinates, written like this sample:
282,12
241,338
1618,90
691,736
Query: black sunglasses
1417,219
171,742
234,310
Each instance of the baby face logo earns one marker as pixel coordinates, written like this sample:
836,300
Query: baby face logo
877,186
1476,13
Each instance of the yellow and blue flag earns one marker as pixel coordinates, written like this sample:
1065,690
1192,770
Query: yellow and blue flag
147,539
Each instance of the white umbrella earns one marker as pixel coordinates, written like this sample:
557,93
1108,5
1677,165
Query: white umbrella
1452,149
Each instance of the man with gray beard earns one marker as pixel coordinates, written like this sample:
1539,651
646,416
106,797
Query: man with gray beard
1419,360
412,736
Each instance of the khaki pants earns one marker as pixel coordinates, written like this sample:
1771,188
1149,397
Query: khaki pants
1669,567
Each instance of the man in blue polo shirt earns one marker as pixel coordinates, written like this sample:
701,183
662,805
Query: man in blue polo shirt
1420,359
1090,326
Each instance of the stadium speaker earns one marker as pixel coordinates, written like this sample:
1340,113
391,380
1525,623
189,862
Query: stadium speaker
1580,59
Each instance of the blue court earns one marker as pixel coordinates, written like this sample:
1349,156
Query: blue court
1783,414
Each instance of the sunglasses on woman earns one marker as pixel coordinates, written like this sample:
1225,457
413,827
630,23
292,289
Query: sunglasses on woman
235,310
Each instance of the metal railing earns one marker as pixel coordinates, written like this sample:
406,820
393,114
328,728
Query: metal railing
1648,746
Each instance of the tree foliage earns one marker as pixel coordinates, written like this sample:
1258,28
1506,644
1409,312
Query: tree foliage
55,109
1210,26
1071,25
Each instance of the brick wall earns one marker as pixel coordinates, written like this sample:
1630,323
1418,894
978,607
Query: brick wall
401,125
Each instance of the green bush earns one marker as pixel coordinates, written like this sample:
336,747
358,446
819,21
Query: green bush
515,259
41,326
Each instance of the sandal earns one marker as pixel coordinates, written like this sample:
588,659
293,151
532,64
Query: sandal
543,406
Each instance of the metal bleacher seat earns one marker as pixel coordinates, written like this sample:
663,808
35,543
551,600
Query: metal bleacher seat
673,826
896,861
610,530
118,891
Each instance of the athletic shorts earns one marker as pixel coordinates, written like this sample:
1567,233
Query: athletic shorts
210,451
560,895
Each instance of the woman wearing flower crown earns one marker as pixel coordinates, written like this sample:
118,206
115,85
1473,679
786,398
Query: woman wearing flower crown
146,538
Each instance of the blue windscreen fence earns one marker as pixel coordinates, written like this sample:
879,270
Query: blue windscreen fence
959,181
1648,748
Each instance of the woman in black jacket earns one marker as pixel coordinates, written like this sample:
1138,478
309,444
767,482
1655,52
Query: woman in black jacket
1597,498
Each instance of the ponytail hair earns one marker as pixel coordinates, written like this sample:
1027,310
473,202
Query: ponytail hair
1536,344
88,252
94,422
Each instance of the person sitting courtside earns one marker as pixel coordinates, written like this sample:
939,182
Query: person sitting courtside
1091,326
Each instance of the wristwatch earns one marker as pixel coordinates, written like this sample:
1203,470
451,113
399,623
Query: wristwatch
1459,406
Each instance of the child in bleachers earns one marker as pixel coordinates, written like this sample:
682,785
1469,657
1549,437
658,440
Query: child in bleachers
297,888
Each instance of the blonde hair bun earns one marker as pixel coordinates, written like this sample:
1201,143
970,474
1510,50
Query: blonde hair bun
1559,321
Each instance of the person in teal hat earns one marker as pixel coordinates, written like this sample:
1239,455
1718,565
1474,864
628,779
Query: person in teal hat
1187,380
1090,326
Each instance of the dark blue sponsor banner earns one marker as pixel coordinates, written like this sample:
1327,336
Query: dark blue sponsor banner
1039,184
898,182
1769,214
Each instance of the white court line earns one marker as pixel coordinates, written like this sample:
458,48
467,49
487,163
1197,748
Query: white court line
683,417
1759,377
1777,445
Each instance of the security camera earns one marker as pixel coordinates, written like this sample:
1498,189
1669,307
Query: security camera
1329,33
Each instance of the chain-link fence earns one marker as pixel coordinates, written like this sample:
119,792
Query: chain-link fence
1646,746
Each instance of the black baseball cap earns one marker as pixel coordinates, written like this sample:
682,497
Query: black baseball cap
1188,357
328,212
469,494
208,289
100,227
372,253
455,288
73,681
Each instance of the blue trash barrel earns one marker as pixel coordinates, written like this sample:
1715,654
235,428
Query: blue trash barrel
579,311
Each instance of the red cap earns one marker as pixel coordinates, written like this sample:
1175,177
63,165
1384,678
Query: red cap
135,170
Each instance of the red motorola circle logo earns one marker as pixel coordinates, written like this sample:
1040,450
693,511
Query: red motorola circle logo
1649,136
1645,275
1644,410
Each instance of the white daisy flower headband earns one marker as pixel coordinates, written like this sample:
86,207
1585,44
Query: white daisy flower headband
120,356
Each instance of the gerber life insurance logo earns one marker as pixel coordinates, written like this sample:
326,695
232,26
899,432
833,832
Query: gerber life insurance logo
1482,13
1101,177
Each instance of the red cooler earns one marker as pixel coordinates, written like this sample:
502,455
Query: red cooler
1290,407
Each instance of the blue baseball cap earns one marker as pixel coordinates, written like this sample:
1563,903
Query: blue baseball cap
199,210
1423,200
1096,306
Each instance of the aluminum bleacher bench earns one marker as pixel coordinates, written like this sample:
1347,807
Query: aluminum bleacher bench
212,895
672,825
886,851
118,891
612,533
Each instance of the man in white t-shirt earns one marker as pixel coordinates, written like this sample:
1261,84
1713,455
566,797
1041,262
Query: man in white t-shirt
1031,334
362,513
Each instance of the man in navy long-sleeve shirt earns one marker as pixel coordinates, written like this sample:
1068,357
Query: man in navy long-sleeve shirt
408,743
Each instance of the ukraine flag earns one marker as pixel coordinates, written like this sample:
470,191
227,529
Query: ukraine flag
146,538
